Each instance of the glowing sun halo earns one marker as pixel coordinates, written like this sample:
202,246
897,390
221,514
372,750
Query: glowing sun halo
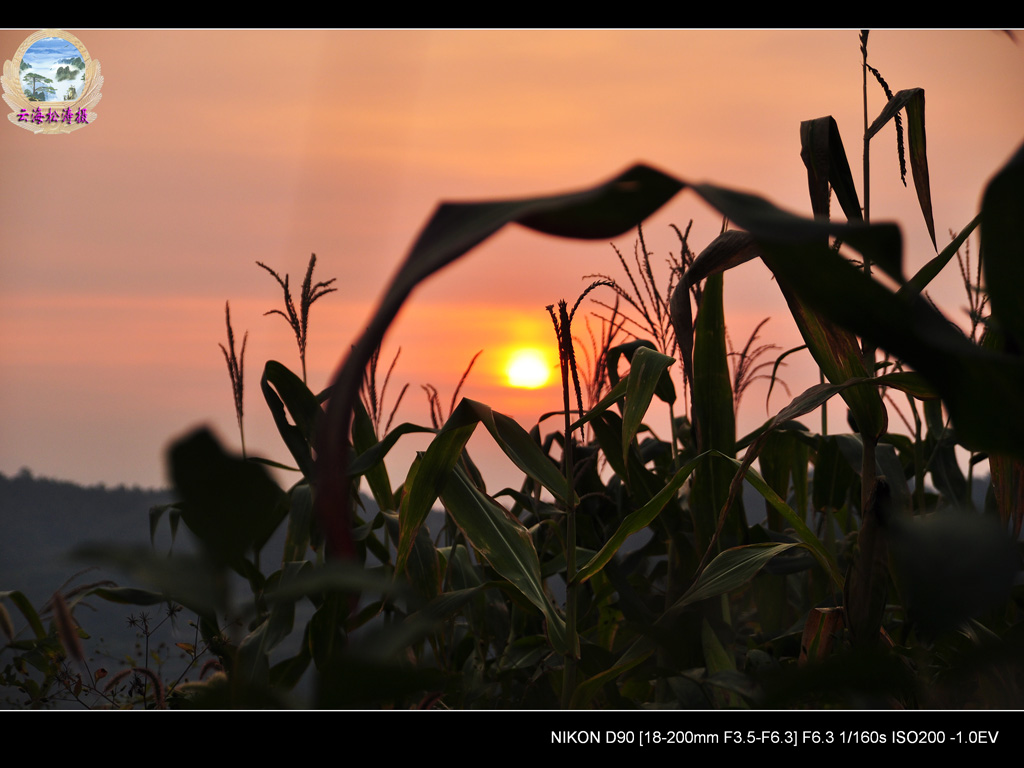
527,369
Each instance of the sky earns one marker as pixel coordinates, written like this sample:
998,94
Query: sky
211,150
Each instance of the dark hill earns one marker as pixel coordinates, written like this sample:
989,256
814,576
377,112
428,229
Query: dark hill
41,520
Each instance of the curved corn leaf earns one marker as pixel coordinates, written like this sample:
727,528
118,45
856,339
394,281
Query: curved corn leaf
1002,237
283,389
807,537
927,273
728,250
590,687
821,149
376,453
912,99
648,368
426,482
834,349
604,211
637,521
794,248
506,545
730,570
665,390
364,437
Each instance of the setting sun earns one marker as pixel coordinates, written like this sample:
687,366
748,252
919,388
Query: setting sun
527,369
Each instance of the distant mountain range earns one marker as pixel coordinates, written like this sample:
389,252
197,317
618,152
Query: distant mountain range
41,520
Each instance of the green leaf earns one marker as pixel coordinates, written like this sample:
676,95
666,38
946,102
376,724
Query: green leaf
334,578
369,457
506,545
839,357
665,390
645,374
590,687
784,458
730,570
775,232
929,271
363,439
728,250
5,622
283,389
642,483
637,521
447,604
796,521
281,621
912,383
300,523
443,453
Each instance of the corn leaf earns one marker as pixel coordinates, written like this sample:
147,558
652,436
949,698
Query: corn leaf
589,688
1002,237
912,100
369,457
834,349
637,521
646,371
730,570
232,505
600,212
929,271
441,456
821,149
665,389
282,390
363,439
506,545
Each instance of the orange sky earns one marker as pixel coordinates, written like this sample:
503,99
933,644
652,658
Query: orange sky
214,149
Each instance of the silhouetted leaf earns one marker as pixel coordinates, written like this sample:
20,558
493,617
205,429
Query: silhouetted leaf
821,149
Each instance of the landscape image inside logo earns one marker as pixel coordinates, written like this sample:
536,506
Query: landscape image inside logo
52,84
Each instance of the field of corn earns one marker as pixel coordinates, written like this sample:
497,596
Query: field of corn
869,578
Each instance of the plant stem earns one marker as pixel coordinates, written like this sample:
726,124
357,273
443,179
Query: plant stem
868,462
565,359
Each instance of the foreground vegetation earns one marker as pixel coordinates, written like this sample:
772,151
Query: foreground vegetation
871,581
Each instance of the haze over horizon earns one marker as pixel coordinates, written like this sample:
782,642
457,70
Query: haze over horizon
212,150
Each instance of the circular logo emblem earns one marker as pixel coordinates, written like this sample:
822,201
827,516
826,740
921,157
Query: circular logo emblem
52,84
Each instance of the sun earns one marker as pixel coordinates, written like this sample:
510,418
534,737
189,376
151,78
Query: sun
527,369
